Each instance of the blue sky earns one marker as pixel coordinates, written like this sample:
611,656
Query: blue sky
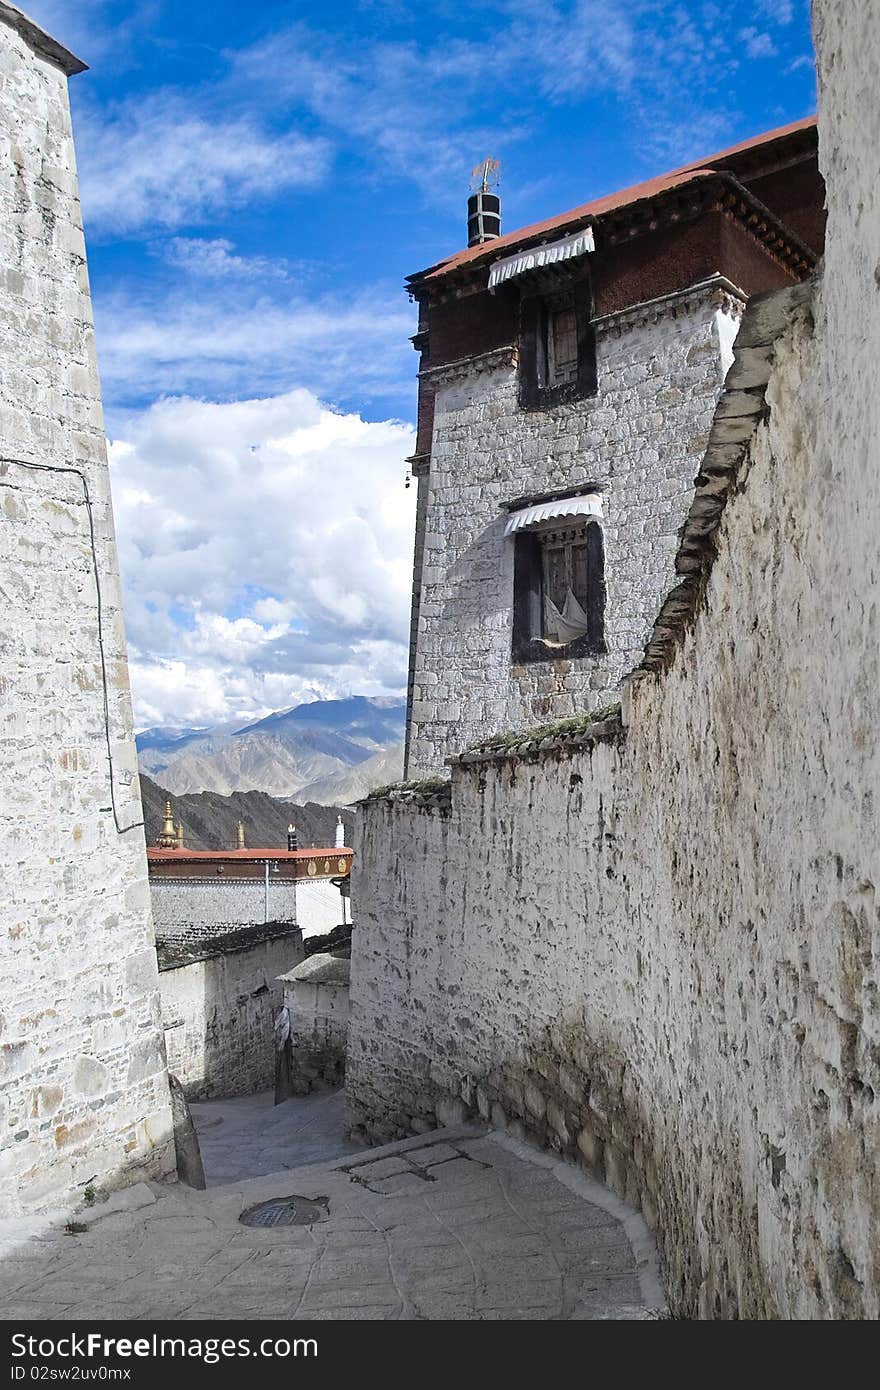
256,182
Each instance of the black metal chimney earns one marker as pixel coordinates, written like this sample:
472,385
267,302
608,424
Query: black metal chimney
484,205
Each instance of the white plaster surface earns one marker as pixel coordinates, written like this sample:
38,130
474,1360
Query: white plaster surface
318,907
83,1087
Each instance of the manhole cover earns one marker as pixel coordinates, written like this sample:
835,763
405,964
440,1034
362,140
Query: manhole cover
286,1211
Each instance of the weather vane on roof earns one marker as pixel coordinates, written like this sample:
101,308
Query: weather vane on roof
486,175
484,204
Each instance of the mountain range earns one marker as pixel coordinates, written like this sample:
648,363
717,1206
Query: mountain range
210,820
329,751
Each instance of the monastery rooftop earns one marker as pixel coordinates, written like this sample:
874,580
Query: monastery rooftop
735,159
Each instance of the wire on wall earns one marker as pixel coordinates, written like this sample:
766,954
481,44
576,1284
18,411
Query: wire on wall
87,498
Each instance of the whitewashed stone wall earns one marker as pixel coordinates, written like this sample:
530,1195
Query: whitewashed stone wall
316,998
199,909
659,954
319,907
641,437
83,1086
219,1014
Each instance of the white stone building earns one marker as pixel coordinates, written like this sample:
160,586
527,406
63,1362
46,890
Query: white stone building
83,1084
202,895
569,373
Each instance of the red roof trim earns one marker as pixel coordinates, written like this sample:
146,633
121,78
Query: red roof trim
611,202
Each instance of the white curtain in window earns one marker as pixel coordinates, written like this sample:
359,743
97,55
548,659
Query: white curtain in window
568,625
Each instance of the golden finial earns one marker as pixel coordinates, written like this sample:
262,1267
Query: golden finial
239,835
180,834
168,838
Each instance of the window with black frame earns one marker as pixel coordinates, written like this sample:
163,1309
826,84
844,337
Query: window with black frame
557,346
559,592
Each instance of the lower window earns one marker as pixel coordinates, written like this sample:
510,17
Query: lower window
559,593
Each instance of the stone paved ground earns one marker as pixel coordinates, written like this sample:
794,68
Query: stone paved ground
250,1136
460,1224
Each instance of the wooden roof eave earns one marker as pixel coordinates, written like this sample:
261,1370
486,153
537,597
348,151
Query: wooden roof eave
685,202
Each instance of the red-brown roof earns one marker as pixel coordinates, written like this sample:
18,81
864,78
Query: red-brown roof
753,143
611,202
155,852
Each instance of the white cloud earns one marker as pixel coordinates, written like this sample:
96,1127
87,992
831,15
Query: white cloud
266,553
757,45
425,109
410,107
188,340
216,259
159,160
777,11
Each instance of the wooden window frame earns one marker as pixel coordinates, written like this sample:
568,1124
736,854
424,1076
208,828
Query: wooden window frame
530,546
537,390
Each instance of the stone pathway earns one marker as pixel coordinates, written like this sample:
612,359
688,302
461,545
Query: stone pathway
251,1136
459,1224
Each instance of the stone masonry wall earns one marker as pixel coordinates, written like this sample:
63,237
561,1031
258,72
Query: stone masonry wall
317,1001
659,951
641,437
83,1085
199,909
219,1014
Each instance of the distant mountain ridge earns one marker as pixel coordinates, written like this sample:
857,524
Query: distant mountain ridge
210,821
328,751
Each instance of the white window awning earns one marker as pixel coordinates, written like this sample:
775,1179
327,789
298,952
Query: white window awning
588,505
537,256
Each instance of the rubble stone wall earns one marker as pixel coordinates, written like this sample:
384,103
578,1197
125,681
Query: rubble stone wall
316,995
657,952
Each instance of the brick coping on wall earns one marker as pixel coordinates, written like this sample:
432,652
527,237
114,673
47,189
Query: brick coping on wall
741,407
619,217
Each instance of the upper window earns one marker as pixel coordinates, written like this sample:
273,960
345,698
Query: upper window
557,347
562,344
559,592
